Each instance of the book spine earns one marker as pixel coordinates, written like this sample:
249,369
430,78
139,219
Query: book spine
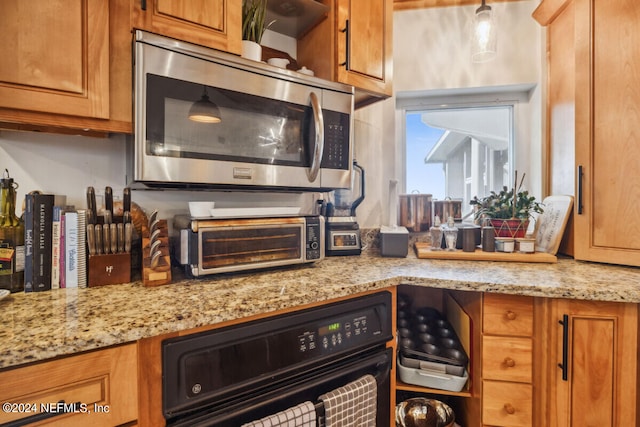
55,247
42,240
71,249
63,236
82,248
28,243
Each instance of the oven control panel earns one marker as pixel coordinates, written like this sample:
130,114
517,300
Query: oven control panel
340,333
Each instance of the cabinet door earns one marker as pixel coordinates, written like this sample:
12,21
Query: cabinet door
55,56
599,360
103,382
213,23
607,149
364,44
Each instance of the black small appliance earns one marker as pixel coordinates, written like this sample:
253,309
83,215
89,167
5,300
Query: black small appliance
342,230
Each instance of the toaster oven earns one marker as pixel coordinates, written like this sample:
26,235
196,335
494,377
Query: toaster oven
210,246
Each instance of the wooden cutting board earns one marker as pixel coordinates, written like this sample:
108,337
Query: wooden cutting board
423,252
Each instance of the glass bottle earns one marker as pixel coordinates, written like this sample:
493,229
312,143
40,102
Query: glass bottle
11,238
451,234
436,234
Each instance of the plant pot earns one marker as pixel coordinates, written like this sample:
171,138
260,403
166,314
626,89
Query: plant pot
513,228
251,50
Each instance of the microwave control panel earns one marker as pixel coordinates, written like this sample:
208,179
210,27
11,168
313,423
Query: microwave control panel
336,141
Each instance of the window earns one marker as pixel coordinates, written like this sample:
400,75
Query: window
459,146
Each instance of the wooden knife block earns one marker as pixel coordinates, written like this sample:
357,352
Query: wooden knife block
109,269
161,274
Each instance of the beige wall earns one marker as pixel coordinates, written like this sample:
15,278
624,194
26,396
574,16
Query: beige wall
431,52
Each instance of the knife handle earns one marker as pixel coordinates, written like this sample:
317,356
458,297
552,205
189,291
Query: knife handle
92,209
106,233
108,200
128,232
120,237
113,237
91,239
99,246
126,199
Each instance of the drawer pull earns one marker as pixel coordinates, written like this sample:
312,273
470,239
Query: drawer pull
509,362
510,315
509,408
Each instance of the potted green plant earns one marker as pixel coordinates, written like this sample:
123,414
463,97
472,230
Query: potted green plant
509,210
254,13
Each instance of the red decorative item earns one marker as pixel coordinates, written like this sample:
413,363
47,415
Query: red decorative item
513,228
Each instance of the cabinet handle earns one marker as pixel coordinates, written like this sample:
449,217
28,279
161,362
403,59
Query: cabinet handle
509,408
347,33
509,362
579,176
143,4
565,347
510,315
65,409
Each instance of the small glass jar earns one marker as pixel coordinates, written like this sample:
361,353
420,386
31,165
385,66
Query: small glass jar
436,234
505,244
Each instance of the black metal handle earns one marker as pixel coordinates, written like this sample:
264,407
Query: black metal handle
565,347
579,176
347,37
65,409
143,4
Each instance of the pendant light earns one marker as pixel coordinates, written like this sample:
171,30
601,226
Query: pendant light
484,41
205,111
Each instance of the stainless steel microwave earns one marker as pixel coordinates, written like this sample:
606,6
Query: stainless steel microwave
205,118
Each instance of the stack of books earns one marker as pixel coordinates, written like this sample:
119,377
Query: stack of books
55,244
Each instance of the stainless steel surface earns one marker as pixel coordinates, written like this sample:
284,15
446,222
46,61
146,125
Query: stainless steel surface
128,233
91,239
318,147
423,412
98,240
190,63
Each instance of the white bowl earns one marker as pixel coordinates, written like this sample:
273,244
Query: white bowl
201,209
278,62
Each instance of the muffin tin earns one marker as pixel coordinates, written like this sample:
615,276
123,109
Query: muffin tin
425,336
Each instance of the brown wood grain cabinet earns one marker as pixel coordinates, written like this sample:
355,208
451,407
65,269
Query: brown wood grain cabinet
593,364
593,96
213,23
105,381
353,46
65,64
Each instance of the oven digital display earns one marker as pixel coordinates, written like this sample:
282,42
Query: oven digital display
333,327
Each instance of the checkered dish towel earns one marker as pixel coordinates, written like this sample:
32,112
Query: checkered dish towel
353,405
302,415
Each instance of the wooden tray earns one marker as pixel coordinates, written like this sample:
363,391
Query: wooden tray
423,252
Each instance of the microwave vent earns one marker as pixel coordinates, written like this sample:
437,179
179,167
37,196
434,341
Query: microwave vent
295,17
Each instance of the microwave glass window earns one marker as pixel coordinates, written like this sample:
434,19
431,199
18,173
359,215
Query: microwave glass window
252,128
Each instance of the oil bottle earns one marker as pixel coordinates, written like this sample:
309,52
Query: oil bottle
11,237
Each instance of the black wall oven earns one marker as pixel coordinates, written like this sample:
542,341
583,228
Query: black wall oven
240,374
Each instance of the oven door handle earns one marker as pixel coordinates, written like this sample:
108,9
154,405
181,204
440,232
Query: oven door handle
318,147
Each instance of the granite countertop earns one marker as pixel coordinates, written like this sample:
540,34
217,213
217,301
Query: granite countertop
39,326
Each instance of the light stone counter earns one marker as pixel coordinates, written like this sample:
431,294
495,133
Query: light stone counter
39,326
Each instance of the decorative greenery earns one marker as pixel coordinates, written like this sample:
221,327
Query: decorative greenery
254,13
507,204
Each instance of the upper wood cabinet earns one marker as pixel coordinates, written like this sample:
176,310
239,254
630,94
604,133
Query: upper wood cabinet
593,366
213,23
594,49
353,46
65,64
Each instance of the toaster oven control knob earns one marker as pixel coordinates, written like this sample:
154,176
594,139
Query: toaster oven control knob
314,245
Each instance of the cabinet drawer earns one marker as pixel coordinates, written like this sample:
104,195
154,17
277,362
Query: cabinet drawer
507,358
101,380
507,315
507,404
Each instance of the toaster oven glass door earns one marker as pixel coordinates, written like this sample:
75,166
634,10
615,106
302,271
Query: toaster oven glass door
233,248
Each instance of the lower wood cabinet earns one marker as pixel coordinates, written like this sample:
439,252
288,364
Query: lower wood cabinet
593,364
103,382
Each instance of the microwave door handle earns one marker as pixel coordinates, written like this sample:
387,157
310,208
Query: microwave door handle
318,148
